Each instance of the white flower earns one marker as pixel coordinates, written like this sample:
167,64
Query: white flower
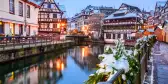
122,64
135,52
100,71
108,59
101,55
102,65
123,77
109,69
108,47
131,74
91,75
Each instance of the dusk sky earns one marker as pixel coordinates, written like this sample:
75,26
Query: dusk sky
75,6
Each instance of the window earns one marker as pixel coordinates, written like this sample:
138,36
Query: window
20,9
11,7
28,31
54,15
125,36
119,14
49,5
86,17
119,36
28,11
48,25
108,36
20,29
54,25
113,36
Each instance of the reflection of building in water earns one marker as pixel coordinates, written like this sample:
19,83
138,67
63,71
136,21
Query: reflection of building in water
86,57
29,76
49,71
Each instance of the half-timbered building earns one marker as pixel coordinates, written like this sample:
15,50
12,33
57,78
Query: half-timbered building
122,24
158,12
51,19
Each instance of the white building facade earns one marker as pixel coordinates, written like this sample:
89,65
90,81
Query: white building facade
18,18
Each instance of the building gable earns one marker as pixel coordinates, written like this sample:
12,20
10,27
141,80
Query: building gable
129,7
50,6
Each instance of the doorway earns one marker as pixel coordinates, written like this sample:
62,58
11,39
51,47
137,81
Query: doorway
12,29
1,28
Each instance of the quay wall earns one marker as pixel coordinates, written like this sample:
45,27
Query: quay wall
16,54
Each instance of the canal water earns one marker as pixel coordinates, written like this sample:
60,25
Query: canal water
67,66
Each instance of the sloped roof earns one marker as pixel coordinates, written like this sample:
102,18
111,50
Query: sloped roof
38,2
62,8
161,3
127,15
150,30
160,27
120,11
131,7
165,23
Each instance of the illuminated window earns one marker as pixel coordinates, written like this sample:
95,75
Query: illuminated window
54,25
11,6
1,28
28,30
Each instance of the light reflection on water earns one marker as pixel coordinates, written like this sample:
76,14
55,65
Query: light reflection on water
73,66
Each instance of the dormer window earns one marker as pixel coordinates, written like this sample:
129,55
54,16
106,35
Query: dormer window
119,14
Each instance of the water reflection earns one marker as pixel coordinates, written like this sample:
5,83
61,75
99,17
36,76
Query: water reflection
73,66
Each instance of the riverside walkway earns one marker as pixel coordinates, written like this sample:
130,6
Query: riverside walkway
15,48
159,68
26,42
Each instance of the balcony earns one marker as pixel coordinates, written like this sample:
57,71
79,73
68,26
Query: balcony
49,10
52,20
49,30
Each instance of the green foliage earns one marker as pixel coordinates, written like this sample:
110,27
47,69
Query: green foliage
34,51
120,50
101,58
134,65
21,52
133,68
94,79
108,51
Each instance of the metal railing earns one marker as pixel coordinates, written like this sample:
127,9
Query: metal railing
116,79
14,42
143,60
49,29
